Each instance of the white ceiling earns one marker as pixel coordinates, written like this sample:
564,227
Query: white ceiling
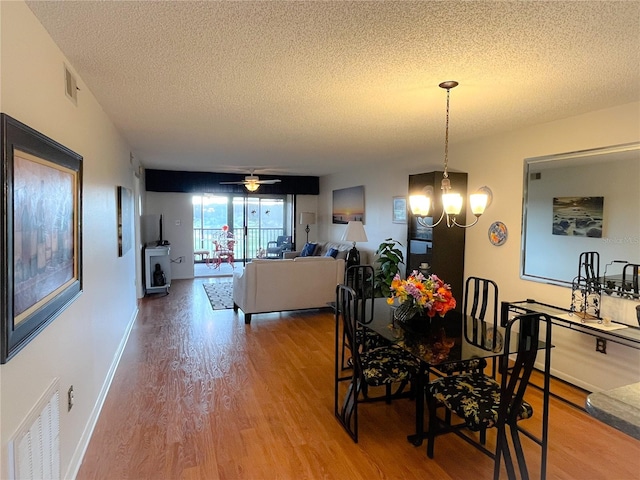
314,87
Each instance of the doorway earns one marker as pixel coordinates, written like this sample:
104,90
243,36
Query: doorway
252,220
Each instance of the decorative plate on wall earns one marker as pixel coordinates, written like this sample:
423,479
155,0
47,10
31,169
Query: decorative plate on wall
498,233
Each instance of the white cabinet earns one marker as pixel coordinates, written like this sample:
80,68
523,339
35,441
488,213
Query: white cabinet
156,260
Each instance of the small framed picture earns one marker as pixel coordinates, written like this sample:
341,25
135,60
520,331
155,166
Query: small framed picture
399,210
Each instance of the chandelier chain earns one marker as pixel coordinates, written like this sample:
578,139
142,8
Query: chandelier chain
446,140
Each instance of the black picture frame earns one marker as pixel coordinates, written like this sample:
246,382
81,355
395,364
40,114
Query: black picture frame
41,233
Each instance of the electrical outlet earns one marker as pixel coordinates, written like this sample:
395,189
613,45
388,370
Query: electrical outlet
70,398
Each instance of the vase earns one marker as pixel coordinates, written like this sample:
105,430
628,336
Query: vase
411,318
405,311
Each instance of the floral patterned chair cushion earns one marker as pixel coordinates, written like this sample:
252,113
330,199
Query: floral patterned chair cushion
467,366
473,397
370,339
386,365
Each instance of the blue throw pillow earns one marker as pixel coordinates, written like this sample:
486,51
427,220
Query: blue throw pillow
308,249
332,252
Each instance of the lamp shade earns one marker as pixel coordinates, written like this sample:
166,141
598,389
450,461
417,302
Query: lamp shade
307,218
354,232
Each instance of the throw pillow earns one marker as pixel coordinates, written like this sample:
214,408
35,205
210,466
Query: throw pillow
332,252
308,249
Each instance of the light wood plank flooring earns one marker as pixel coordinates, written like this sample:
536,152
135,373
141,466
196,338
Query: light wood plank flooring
200,395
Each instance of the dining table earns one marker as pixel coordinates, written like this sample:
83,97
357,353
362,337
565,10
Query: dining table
436,341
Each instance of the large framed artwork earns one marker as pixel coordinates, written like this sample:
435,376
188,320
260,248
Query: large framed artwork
41,237
348,204
125,220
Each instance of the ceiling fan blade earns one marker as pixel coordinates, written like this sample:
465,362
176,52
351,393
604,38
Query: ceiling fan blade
268,182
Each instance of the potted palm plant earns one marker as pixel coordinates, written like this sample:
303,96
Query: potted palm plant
388,265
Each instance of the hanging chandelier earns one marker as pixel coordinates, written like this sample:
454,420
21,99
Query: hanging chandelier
451,202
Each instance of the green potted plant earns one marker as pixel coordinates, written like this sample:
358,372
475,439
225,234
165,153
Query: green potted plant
389,259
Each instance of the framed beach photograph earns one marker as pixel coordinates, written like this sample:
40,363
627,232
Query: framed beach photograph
125,220
578,216
41,234
399,210
348,204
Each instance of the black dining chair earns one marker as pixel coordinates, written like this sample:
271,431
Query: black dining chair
361,279
481,307
371,367
482,402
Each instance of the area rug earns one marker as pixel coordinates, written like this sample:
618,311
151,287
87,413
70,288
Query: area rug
220,293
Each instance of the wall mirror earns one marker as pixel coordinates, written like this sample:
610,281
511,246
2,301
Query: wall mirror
586,201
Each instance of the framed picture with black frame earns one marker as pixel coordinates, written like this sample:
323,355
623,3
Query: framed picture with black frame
41,236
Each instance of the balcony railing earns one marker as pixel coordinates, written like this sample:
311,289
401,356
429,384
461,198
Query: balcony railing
256,238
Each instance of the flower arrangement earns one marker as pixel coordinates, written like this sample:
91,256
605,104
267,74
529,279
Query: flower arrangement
424,294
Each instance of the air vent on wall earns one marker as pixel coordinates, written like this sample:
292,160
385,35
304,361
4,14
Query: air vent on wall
70,86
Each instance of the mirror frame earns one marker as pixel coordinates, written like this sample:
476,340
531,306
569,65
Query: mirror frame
591,153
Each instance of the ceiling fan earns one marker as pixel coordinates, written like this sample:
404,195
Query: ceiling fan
252,182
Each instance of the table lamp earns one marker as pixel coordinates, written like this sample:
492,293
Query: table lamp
354,233
307,218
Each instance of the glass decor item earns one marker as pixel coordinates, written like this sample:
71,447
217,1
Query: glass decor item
405,312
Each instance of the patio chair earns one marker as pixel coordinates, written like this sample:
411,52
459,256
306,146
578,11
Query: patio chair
277,247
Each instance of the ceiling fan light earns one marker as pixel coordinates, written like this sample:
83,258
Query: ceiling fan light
252,186
452,203
420,205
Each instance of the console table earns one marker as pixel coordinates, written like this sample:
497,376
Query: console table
616,332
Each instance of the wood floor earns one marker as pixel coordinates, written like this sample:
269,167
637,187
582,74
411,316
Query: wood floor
200,395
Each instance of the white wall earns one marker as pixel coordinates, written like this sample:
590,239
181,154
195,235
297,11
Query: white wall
80,347
177,222
498,163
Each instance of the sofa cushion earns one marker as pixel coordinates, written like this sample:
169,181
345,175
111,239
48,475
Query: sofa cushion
308,250
267,260
332,252
312,259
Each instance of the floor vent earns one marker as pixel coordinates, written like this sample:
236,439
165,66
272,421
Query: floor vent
70,86
34,452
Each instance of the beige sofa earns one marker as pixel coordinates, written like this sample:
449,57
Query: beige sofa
289,284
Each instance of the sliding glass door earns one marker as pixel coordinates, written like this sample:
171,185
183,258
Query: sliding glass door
254,220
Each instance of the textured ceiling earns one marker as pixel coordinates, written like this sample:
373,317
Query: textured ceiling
314,87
